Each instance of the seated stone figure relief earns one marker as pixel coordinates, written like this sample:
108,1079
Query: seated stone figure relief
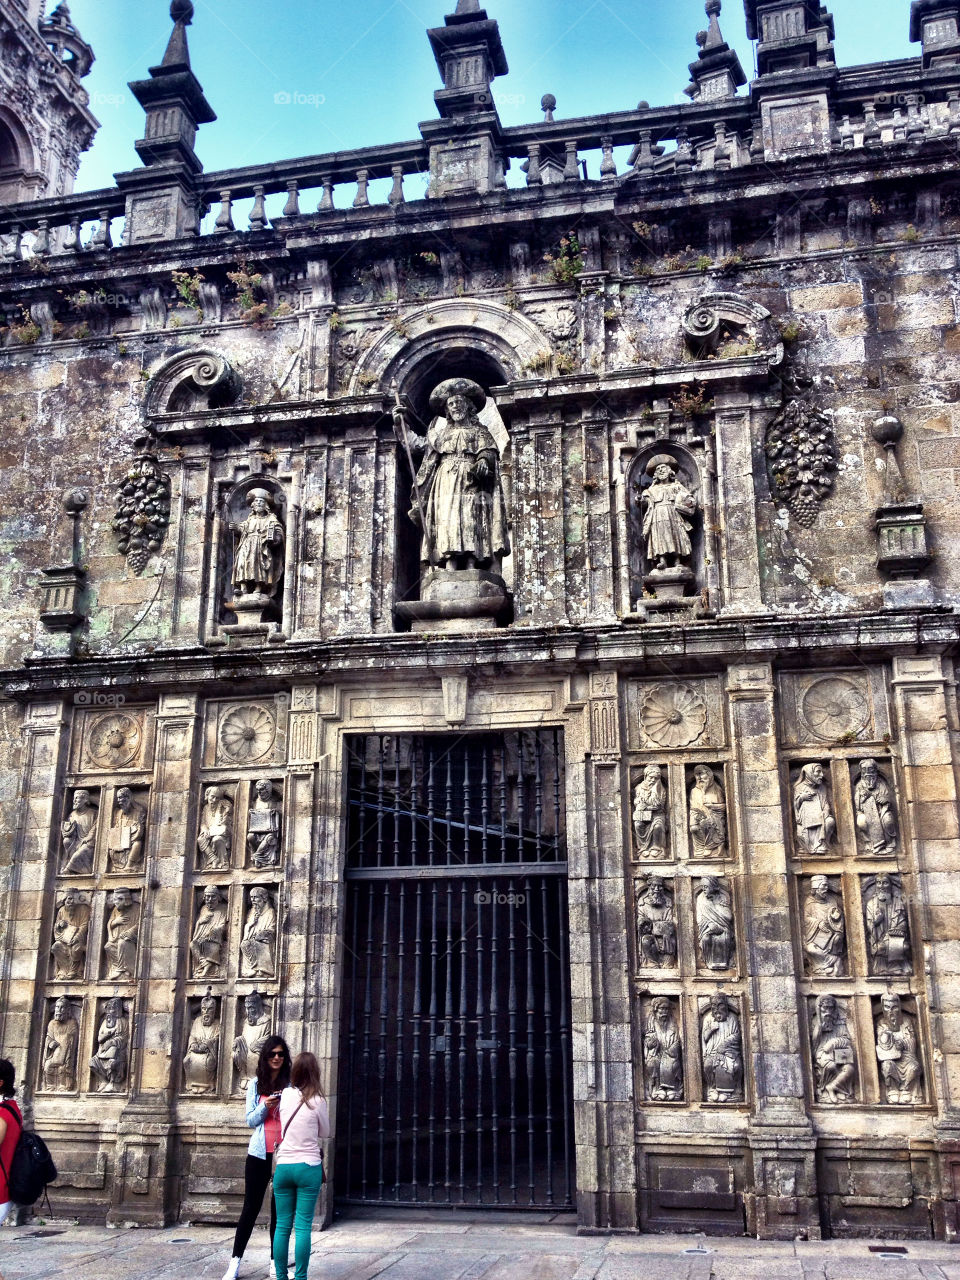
663,1052
816,825
209,941
656,924
215,838
650,817
258,559
110,1061
721,1045
708,814
824,930
258,946
58,1067
263,824
71,930
123,926
202,1056
78,836
898,1053
834,1053
256,1026
875,812
715,926
888,926
127,832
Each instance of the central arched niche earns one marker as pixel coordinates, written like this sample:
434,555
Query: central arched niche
415,375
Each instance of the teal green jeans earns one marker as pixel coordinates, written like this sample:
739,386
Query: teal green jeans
296,1188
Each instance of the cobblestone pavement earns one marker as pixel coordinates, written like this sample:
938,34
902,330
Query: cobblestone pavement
414,1248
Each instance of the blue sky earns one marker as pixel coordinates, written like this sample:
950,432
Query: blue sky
362,73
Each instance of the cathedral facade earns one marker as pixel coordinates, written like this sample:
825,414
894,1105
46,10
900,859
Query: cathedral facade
483,607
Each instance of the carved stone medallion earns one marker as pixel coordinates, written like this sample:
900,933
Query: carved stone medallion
835,708
114,740
673,715
247,734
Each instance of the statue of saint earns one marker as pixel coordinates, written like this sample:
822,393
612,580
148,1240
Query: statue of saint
898,1053
824,930
203,1049
715,931
216,830
209,935
70,935
263,825
722,1047
458,495
666,506
650,814
816,825
127,832
120,948
708,814
656,928
255,1030
78,836
59,1068
258,946
109,1063
874,811
888,929
662,1053
834,1056
258,561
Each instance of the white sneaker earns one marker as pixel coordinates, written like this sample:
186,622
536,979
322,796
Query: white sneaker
233,1269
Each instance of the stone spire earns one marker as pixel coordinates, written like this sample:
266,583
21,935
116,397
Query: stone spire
469,53
717,72
936,23
173,100
62,37
793,35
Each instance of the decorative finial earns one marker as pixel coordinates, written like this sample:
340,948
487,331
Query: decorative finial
888,432
182,11
548,104
713,8
468,6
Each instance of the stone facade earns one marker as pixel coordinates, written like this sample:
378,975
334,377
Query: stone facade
717,385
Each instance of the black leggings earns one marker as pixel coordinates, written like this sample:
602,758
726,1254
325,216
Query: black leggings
256,1179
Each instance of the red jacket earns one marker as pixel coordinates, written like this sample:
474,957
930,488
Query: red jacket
11,1114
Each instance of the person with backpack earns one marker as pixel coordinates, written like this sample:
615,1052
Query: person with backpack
298,1175
11,1126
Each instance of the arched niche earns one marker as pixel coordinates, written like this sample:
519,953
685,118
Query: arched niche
236,509
17,159
190,382
688,472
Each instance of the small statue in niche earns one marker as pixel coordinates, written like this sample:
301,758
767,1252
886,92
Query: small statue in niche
888,927
708,814
666,506
663,1053
216,830
715,930
898,1053
127,832
650,814
120,948
255,1029
816,825
258,560
203,1049
109,1063
258,947
834,1056
207,946
874,811
59,1067
263,825
656,927
722,1047
824,930
78,835
71,928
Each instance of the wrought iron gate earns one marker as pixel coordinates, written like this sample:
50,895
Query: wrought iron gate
455,1064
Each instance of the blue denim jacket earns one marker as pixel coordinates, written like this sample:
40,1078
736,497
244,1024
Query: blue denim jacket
256,1114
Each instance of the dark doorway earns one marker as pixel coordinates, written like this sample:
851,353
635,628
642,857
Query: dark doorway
455,1061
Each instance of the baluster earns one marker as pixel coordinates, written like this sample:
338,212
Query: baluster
571,169
224,222
684,157
326,200
756,145
396,193
71,241
608,166
872,136
361,200
721,148
643,154
102,238
13,246
847,139
534,178
292,208
915,125
41,245
258,214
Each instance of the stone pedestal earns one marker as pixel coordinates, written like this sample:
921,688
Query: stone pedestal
668,588
457,600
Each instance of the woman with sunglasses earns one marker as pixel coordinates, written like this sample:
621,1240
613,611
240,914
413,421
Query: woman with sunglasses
263,1117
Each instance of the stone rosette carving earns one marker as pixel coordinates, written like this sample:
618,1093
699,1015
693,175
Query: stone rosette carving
114,740
673,715
802,458
835,709
58,1066
201,1057
834,1053
898,1052
143,512
111,1057
663,1051
246,734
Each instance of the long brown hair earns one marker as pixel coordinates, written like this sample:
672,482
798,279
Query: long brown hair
265,1081
305,1076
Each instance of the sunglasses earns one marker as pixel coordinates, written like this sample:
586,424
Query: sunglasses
280,1055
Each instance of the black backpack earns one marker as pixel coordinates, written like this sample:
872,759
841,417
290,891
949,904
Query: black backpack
32,1167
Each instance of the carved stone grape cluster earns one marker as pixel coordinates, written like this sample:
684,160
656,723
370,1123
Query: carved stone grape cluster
143,512
802,457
